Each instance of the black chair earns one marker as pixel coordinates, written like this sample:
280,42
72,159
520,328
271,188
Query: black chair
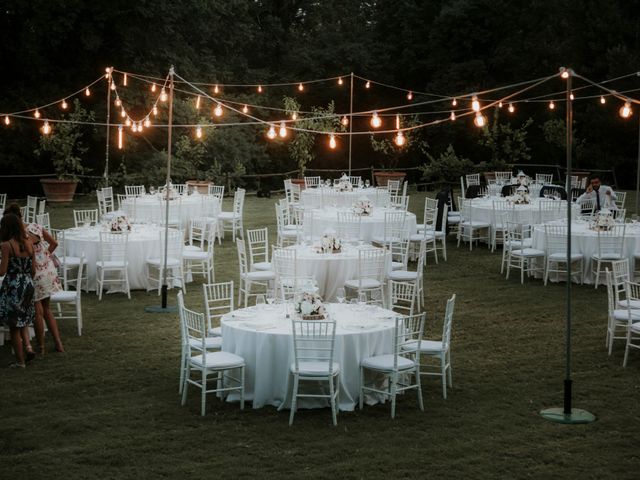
473,191
551,190
509,190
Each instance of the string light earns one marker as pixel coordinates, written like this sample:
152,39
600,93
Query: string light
499,104
475,104
123,113
120,139
198,103
283,130
300,87
565,74
332,142
134,127
340,81
87,92
127,122
147,122
400,140
552,105
271,133
603,100
117,102
199,132
216,89
375,120
345,121
155,111
153,87
454,102
6,120
410,96
113,85
294,116
368,84
245,109
571,97
625,111
36,113
46,128
452,117
480,120
259,88
140,126
124,80
64,104
218,110
511,108
163,95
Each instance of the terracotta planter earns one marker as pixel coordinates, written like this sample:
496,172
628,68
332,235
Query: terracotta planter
201,185
383,177
59,191
299,181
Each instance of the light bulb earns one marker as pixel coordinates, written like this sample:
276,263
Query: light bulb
259,88
147,122
345,121
216,89
6,120
340,81
499,104
454,102
475,104
198,102
283,130
123,113
199,132
124,79
112,86
36,113
134,127
375,120
153,87
140,126
398,122
218,110
87,92
64,104
46,128
107,70
294,116
271,133
480,120
127,122
552,105
400,140
117,102
625,110
565,74
120,139
245,109
155,111
571,97
332,142
452,117
511,108
368,84
410,96
603,100
300,87
163,95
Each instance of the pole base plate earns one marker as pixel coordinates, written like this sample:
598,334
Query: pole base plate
576,417
160,309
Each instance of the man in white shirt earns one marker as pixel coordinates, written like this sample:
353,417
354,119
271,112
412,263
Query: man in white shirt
603,195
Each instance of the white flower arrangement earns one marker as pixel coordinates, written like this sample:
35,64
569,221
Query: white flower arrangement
522,179
309,305
604,220
330,243
344,184
120,224
520,196
172,193
362,206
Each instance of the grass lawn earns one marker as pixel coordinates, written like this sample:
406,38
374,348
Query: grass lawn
109,407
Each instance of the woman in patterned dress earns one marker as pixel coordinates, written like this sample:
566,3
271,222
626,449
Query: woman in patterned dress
46,283
17,307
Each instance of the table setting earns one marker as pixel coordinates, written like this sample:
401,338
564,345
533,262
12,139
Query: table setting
151,207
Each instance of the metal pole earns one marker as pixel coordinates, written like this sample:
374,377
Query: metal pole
166,215
350,121
638,172
567,380
106,155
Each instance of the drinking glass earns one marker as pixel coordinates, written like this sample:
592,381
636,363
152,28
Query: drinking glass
271,296
260,300
340,295
152,190
362,299
366,183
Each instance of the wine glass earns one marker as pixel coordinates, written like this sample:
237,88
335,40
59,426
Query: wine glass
362,299
271,296
152,190
366,183
340,295
260,300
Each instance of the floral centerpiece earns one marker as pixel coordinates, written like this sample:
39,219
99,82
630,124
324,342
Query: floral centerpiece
344,184
520,196
522,179
330,243
362,207
309,305
172,192
120,224
604,220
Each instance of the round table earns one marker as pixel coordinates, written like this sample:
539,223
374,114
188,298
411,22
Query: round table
329,197
330,270
528,214
262,336
371,225
584,240
150,208
144,243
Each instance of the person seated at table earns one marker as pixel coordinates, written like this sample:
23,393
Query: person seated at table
603,195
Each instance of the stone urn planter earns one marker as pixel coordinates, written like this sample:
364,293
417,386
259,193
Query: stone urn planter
57,190
201,185
383,177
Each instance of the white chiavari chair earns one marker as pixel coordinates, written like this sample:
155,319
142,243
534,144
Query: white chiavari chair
544,178
633,322
112,262
233,221
349,226
171,243
69,302
249,279
610,247
526,259
134,190
259,249
200,261
556,254
218,301
3,201
469,229
402,297
85,218
312,182
44,220
370,273
29,215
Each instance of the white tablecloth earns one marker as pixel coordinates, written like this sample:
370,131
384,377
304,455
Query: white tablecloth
328,197
149,208
371,226
263,337
331,270
585,241
144,243
482,208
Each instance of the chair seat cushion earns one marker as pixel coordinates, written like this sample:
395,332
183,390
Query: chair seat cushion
64,296
70,261
290,227
527,252
193,255
112,264
262,266
316,368
218,360
157,262
627,303
381,240
366,283
227,216
289,233
623,315
428,347
397,266
403,275
191,248
474,224
210,343
384,363
563,257
215,332
607,256
261,276
418,237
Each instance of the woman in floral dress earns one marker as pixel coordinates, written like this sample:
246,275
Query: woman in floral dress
46,283
17,309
